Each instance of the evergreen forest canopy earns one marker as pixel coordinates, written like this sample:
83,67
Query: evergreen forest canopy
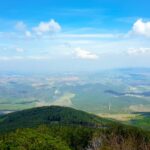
64,128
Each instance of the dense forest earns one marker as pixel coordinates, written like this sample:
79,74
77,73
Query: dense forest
63,128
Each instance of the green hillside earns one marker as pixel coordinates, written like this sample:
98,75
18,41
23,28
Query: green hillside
49,115
63,128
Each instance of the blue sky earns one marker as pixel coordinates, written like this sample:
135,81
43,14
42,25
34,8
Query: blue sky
75,35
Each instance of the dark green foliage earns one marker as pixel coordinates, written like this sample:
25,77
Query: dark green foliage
53,137
63,128
31,139
49,115
77,137
65,137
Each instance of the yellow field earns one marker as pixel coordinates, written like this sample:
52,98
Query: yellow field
119,117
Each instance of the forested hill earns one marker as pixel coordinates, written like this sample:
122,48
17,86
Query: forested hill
50,115
63,128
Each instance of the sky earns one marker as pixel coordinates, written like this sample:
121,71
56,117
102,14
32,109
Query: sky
74,35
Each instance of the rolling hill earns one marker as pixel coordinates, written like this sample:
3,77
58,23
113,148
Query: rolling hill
49,115
64,128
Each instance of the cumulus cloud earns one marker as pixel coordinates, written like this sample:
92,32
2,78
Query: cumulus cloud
44,27
141,28
84,54
138,51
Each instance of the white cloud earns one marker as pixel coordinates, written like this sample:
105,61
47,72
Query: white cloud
44,27
138,51
20,26
141,28
84,54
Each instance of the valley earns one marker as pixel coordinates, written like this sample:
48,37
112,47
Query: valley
115,94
